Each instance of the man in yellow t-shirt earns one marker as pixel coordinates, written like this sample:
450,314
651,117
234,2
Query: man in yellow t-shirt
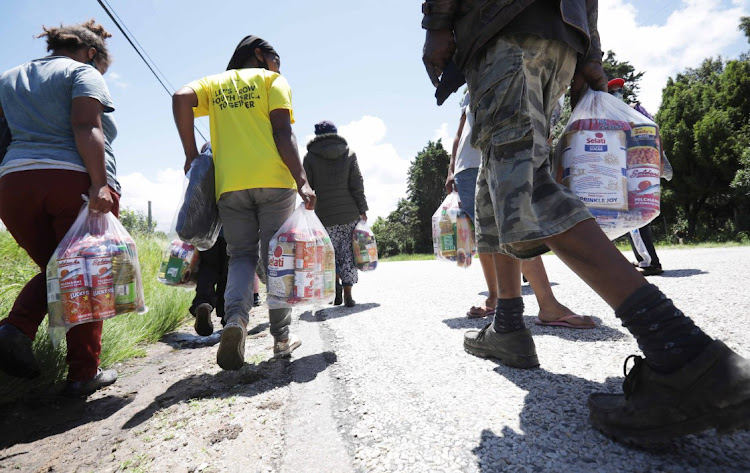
258,174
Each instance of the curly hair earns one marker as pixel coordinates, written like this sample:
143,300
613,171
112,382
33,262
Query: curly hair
74,37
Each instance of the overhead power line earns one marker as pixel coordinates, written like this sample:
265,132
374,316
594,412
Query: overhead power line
127,34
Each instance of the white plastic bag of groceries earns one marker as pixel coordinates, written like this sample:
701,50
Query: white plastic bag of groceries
610,157
179,264
365,247
197,220
301,263
93,275
453,232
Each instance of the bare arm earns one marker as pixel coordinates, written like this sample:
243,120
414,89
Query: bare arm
86,121
183,102
286,143
450,181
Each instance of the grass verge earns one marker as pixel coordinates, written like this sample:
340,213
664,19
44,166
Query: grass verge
123,337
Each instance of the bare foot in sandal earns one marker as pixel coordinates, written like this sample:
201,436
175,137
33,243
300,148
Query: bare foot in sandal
557,314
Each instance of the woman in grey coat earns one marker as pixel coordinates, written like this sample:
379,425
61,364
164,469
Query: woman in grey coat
333,173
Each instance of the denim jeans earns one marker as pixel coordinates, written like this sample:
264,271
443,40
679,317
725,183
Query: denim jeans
250,218
466,185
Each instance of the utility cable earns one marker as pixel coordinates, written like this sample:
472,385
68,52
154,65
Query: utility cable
124,33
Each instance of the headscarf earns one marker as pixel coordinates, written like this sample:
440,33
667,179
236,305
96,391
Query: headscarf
246,50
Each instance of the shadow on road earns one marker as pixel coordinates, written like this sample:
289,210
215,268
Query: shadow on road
681,273
336,312
248,381
598,334
27,422
190,341
554,428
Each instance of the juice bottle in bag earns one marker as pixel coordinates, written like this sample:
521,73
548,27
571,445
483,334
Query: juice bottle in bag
464,240
447,236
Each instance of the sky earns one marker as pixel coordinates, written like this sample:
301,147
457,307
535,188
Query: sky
355,63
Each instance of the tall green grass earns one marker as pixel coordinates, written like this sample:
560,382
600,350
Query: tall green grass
124,336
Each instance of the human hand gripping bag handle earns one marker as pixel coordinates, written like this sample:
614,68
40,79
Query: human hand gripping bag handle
93,275
365,247
453,233
301,263
610,158
197,221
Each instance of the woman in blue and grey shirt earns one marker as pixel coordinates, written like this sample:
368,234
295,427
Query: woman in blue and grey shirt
58,110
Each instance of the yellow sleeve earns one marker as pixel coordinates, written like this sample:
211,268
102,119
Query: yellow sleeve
280,95
201,89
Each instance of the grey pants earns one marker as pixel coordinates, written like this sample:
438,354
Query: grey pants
251,217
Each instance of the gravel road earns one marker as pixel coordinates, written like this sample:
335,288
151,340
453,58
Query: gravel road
408,398
386,386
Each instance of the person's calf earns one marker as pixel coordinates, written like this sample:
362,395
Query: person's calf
16,353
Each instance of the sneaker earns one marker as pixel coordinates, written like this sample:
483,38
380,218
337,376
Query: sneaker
256,300
711,391
515,349
231,354
102,379
16,355
284,349
349,302
651,270
203,324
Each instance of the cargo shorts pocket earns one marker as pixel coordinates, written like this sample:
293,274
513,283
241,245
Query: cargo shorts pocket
500,89
515,140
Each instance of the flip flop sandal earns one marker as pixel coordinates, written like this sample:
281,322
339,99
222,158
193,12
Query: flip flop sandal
480,312
563,322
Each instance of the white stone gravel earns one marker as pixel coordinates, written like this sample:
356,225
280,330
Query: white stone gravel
408,398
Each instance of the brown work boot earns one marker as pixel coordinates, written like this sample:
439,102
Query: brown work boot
231,353
515,349
711,391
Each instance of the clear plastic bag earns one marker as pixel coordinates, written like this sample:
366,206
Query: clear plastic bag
197,221
365,247
453,233
301,263
610,157
179,265
93,275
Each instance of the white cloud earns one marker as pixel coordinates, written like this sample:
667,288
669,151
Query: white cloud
383,170
695,30
164,191
442,133
116,79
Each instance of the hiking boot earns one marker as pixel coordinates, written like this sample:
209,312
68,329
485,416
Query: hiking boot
84,388
231,354
515,349
650,270
339,297
284,348
203,324
711,391
16,355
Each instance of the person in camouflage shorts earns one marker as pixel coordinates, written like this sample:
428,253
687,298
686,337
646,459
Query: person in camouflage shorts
518,81
517,57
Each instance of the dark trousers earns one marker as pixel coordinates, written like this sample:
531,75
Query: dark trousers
648,240
212,278
38,208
